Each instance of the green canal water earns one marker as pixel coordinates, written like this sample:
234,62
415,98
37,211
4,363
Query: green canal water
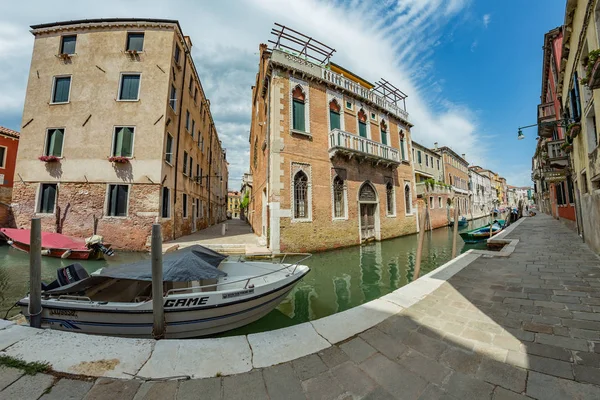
339,279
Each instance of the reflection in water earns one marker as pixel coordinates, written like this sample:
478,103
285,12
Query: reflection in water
339,279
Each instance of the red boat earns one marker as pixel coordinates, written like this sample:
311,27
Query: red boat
59,246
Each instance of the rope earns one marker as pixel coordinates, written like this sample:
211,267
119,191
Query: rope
7,311
36,314
167,378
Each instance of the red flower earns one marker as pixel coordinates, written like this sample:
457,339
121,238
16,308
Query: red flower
48,158
118,159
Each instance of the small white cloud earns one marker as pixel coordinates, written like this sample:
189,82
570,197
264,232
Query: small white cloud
474,46
486,20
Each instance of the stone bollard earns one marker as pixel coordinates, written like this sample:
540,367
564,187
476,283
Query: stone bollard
223,229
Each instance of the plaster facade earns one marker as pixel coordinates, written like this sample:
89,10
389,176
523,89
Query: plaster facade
456,174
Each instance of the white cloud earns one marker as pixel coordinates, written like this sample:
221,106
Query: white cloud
486,20
474,46
391,39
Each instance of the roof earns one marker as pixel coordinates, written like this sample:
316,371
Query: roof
9,132
446,149
100,20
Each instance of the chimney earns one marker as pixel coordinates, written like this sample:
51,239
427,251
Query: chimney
463,156
188,41
436,145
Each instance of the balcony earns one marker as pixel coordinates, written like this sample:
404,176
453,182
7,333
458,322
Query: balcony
350,145
554,150
423,189
546,112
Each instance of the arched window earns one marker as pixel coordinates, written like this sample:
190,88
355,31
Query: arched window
450,177
402,144
383,127
338,198
407,199
298,99
389,193
362,123
301,195
334,115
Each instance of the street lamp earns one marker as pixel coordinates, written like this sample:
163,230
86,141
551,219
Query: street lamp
520,135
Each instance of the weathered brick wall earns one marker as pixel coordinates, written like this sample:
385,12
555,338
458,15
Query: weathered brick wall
79,202
6,217
439,216
5,194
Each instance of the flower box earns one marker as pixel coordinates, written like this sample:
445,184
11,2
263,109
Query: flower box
119,159
49,159
573,130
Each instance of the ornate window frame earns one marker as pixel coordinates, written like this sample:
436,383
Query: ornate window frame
390,180
408,204
367,111
331,95
307,169
334,175
305,88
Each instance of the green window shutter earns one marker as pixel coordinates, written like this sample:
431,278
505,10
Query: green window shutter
118,145
384,137
48,198
298,111
402,148
61,90
130,85
334,120
122,191
362,129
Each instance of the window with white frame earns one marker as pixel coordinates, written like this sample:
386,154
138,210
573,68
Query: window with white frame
431,203
47,198
166,203
123,141
300,195
3,152
129,89
117,199
334,115
61,89
67,44
54,142
407,198
298,109
169,149
135,41
173,98
384,135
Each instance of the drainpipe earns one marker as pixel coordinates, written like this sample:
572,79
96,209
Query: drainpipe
210,137
268,140
185,54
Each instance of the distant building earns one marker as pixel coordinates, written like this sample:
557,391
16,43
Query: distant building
456,174
233,205
480,192
9,144
116,126
246,192
329,153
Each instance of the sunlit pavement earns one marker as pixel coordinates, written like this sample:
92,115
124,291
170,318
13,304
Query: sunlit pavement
525,326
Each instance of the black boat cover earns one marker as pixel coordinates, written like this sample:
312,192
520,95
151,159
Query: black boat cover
189,264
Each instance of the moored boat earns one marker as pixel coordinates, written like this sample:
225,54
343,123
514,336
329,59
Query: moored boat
482,233
204,293
462,221
58,245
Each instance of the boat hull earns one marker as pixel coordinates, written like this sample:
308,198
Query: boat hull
480,234
58,253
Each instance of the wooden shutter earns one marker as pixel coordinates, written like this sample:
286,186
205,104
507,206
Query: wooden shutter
334,120
298,115
362,129
48,198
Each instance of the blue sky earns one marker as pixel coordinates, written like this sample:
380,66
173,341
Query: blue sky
471,68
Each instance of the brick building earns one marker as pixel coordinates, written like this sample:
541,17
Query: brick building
456,174
116,126
9,144
233,204
328,154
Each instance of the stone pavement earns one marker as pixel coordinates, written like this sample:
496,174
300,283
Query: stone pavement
517,327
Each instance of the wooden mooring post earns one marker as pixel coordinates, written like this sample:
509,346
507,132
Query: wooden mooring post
455,230
158,312
420,244
35,274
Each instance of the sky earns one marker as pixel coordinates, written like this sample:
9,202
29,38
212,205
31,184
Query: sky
471,68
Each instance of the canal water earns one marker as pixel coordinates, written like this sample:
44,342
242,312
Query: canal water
339,279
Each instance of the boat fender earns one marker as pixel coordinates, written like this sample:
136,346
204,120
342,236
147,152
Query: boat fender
9,242
45,252
66,254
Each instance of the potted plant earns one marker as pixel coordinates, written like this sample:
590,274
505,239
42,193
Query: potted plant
49,159
567,146
573,130
591,63
118,159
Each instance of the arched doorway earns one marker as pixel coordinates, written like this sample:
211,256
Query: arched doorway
369,217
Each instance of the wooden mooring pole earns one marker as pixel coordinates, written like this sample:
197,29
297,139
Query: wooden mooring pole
35,274
455,230
158,312
420,244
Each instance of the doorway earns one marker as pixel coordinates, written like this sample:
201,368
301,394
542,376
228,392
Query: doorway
368,205
194,215
367,222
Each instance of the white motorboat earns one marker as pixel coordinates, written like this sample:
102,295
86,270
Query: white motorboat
204,293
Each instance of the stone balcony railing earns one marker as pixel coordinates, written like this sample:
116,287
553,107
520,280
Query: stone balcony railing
554,150
362,148
437,189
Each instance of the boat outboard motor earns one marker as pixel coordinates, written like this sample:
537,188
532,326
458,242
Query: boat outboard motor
64,276
95,242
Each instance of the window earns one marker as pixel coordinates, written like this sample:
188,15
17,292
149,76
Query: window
185,162
402,146
407,199
298,114
195,94
334,115
431,203
200,175
427,160
61,89
338,198
255,155
169,149
373,116
439,202
384,133
173,99
300,195
193,128
197,207
67,44
191,167
177,54
438,164
54,142
349,105
202,144
419,156
389,192
135,41
130,87
570,190
362,123
123,141
117,200
2,158
191,85
197,170
185,205
166,203
47,198
187,120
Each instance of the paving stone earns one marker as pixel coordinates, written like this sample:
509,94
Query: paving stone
393,377
570,293
461,361
282,383
541,386
379,394
68,389
550,366
425,367
425,345
521,302
507,342
353,379
575,323
584,333
504,394
321,387
552,312
586,316
578,307
560,331
485,326
27,387
384,343
587,359
559,341
587,374
309,366
106,388
244,386
519,334
357,349
548,304
157,391
535,327
190,390
466,387
566,299
8,376
434,392
333,356
501,374
547,351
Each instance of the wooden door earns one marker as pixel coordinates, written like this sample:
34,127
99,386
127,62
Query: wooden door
367,221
